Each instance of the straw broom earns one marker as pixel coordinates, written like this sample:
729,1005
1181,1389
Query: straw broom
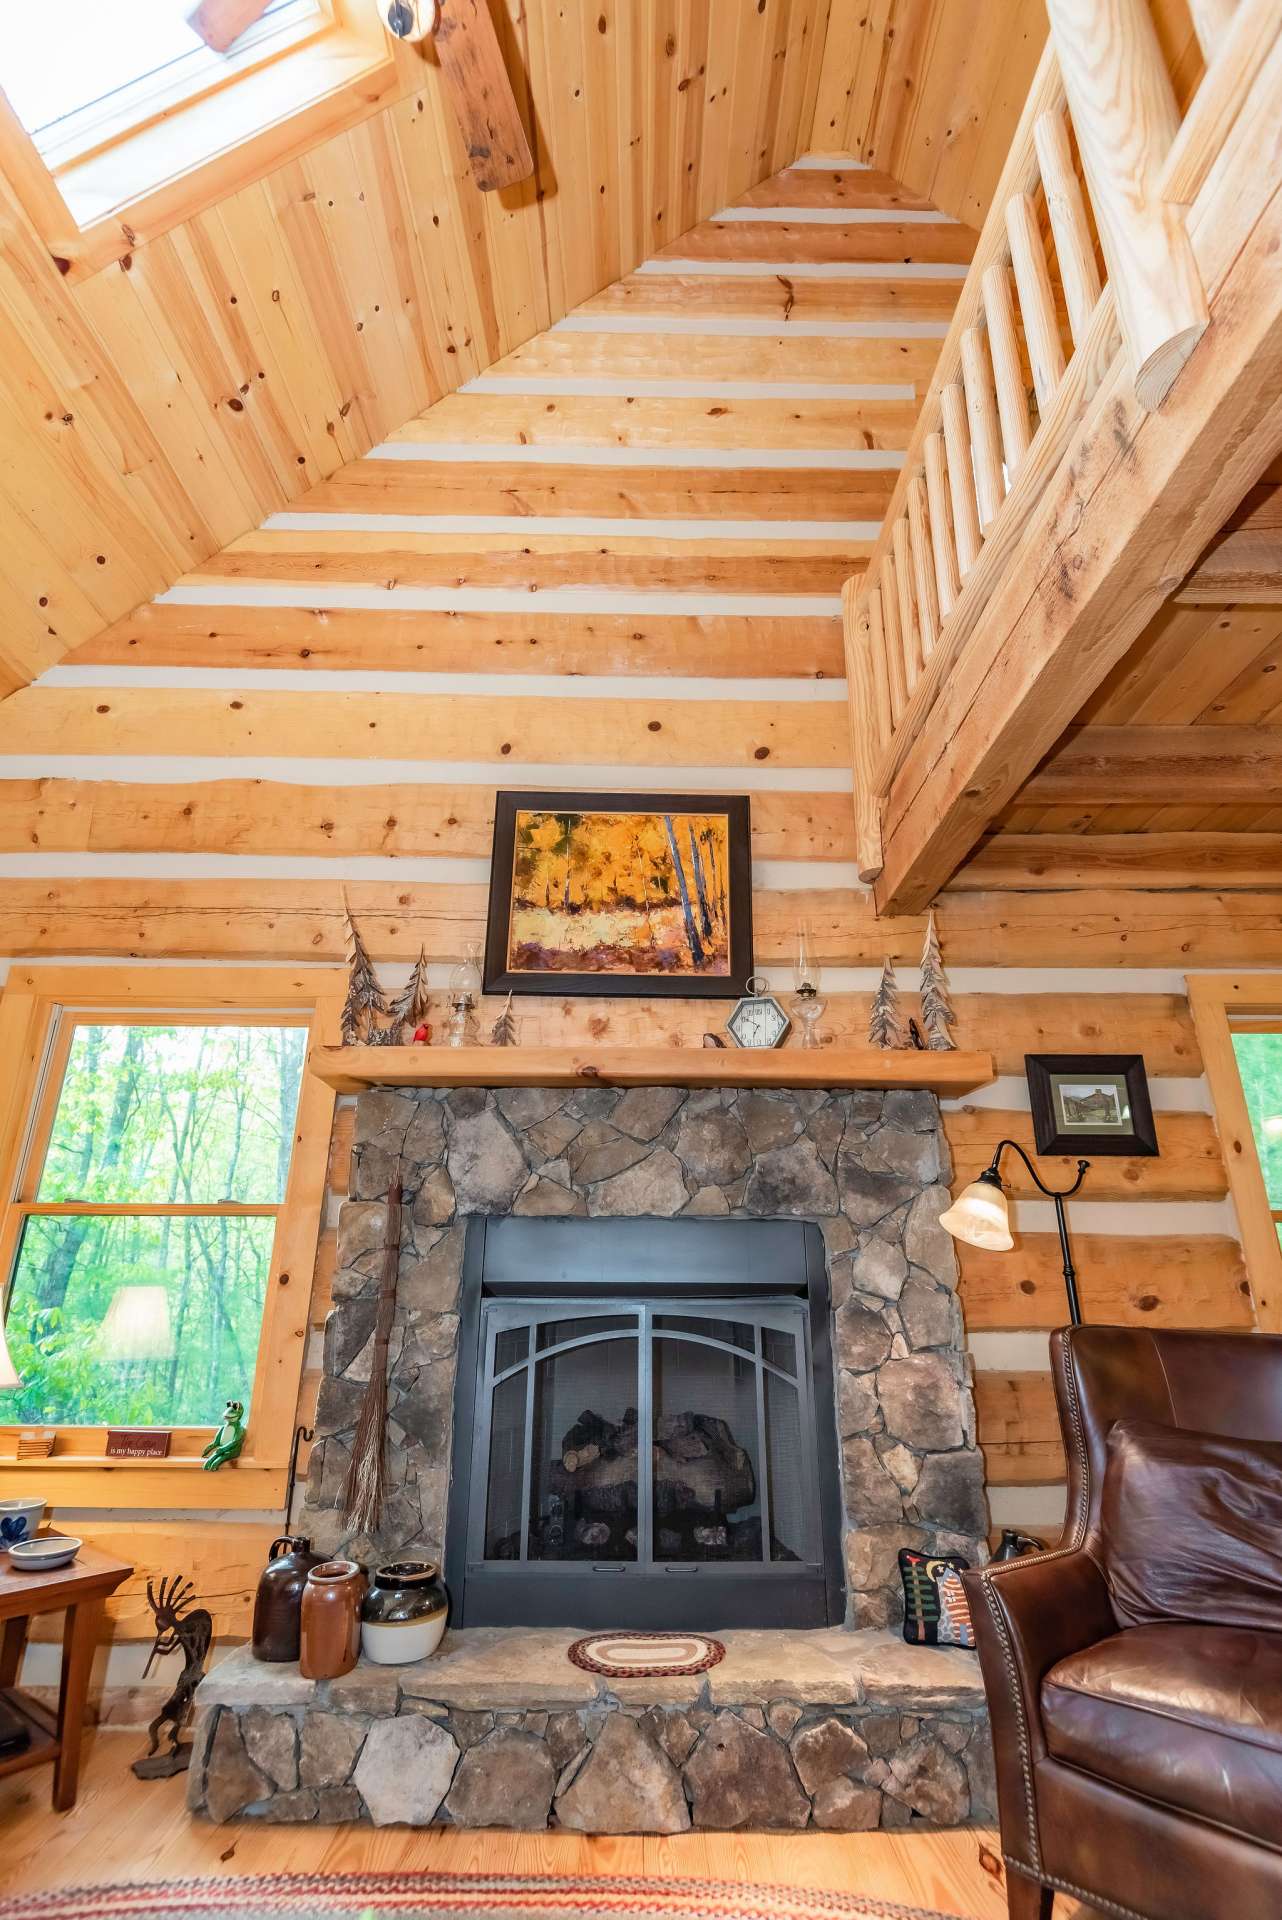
366,1480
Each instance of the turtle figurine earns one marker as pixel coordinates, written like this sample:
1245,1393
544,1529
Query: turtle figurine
228,1440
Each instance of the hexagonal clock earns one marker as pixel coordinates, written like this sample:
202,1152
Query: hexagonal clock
758,1020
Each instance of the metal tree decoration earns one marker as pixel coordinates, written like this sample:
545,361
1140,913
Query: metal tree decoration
409,1006
886,1023
503,1032
937,1010
180,1628
365,997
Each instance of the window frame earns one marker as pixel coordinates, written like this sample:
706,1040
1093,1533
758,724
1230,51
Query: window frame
1219,1002
142,177
33,1042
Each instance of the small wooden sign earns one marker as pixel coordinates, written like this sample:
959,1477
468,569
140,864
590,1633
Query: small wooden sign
138,1443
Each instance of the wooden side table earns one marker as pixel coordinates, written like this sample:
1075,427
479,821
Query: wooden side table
81,1588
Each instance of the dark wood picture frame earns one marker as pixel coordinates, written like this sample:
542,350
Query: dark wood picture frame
1044,1069
499,978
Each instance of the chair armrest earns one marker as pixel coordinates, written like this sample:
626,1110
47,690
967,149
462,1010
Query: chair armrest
1029,1613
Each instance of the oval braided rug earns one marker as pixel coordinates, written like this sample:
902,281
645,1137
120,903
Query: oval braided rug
646,1656
451,1896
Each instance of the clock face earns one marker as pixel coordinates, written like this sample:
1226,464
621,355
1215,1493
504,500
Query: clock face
758,1021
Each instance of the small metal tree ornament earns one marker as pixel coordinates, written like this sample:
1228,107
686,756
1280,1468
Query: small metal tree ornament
180,1628
886,1022
365,997
937,1010
503,1032
409,1006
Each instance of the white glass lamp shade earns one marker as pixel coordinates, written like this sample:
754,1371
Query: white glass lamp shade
979,1216
137,1325
9,1376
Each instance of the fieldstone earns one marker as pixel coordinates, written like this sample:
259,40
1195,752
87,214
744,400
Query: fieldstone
903,1466
626,1785
826,1129
918,1111
782,1718
930,1782
292,1809
914,1156
374,1168
366,1689
769,1122
842,1807
464,1103
791,1180
868,1197
653,1186
327,1473
872,1555
384,1115
362,1228
329,1746
930,1679
927,1244
712,1147
839,1235
548,1200
338,1405
857,1404
879,1268
232,1781
552,1136
486,1165
754,1717
645,1111
564,1738
863,1338
601,1151
921,1400
424,1413
434,1201
436,1337
825,1751
526,1107
338,1806
871,1495
468,1728
673,1732
405,1770
741,1778
981,1773
761,1666
506,1780
347,1329
950,1492
431,1285
425,1141
271,1742
927,1313
594,1103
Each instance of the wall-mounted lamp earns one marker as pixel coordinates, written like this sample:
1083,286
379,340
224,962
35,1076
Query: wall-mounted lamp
980,1215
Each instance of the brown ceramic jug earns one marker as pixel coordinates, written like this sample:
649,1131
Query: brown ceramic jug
331,1620
278,1602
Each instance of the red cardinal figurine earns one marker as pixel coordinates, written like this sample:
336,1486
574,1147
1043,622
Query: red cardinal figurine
422,1036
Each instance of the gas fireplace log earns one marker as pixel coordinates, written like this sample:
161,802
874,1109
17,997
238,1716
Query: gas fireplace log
698,1466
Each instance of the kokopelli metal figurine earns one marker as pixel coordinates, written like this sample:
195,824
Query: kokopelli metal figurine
180,1628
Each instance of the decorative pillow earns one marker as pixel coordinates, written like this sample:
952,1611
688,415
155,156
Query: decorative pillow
1192,1527
935,1609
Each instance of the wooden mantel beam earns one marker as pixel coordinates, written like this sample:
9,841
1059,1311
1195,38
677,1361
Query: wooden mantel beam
1134,502
1157,766
1243,564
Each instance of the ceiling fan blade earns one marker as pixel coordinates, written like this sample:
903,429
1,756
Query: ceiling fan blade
472,63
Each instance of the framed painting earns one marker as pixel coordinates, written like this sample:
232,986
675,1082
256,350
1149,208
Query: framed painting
1090,1103
620,893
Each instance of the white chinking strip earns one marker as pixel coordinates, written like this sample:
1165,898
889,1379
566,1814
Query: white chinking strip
1038,1508
603,386
570,524
519,600
434,869
1138,1219
1011,1352
804,269
516,686
836,216
829,163
556,453
307,771
750,327
1176,1095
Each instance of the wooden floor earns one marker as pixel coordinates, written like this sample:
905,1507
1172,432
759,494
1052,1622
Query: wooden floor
124,1830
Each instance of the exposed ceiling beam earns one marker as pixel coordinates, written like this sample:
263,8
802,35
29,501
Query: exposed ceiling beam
1243,564
1158,766
1011,862
1132,505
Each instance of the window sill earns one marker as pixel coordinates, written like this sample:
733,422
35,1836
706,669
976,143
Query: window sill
150,181
91,1480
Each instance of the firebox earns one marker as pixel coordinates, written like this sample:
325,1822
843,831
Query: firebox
644,1426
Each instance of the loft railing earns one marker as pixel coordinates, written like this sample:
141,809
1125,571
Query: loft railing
1084,255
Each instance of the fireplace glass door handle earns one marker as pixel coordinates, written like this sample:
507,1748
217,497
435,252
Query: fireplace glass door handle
610,1566
681,1569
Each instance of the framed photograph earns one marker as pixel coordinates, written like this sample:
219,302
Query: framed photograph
1090,1103
620,893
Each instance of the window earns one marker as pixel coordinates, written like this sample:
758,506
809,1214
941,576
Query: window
163,1156
1257,1048
147,1213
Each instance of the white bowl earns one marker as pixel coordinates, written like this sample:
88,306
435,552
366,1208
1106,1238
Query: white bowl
46,1554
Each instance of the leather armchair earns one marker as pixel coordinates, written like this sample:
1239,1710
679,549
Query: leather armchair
1139,1767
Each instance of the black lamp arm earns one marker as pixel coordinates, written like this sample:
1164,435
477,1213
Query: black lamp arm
1058,1197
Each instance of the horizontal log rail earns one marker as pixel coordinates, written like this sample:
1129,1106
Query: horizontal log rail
1084,269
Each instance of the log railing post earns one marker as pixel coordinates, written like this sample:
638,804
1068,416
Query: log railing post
1012,401
906,581
865,749
1125,117
923,567
1066,205
981,414
941,529
961,476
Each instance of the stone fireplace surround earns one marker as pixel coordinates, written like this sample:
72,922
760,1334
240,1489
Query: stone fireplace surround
853,1728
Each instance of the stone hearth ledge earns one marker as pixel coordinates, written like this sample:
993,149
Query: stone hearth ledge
840,1730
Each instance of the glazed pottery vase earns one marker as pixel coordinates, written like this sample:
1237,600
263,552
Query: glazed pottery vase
279,1600
404,1613
330,1620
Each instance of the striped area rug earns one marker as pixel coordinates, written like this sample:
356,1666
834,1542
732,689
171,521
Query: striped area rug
451,1896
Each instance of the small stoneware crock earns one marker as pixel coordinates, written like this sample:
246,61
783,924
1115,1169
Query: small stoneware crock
404,1613
330,1621
278,1603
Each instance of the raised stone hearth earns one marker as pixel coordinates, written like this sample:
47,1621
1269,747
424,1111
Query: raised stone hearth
836,1730
869,1168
